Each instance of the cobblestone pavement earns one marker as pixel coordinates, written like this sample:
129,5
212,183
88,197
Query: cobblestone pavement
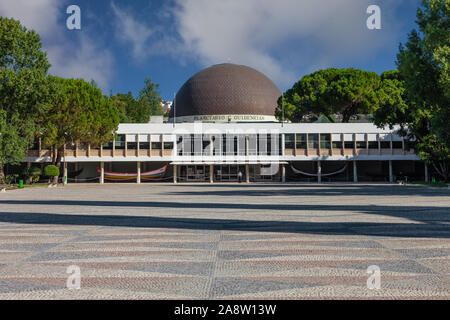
229,241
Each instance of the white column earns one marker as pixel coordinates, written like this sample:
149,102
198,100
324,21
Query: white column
355,172
247,173
319,172
102,172
391,177
138,177
211,173
65,173
283,173
174,168
427,178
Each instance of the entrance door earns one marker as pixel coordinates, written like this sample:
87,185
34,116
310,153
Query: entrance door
228,172
194,173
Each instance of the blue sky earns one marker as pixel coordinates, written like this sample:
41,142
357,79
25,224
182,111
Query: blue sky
123,42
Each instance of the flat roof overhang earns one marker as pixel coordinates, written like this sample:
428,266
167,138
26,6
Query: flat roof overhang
228,162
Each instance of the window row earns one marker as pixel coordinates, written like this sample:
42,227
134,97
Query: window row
313,140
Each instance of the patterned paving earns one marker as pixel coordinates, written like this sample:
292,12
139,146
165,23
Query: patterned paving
225,242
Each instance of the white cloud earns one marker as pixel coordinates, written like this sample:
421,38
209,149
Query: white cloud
39,15
281,38
131,32
88,61
78,57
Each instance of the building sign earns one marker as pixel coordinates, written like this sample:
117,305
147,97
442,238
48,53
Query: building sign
227,118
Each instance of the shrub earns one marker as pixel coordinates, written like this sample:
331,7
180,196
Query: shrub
51,171
10,178
32,174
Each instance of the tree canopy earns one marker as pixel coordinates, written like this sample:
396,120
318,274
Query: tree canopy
23,67
330,93
150,97
130,109
417,96
77,112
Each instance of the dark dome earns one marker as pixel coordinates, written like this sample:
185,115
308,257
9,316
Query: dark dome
227,89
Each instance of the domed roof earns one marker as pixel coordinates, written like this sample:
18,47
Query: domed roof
227,89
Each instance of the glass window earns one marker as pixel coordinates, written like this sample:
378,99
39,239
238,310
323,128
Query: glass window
337,144
301,140
373,144
156,145
385,144
397,145
144,145
131,145
120,142
313,142
360,144
168,145
289,141
325,140
349,144
108,146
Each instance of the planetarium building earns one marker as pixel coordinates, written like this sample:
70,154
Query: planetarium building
222,129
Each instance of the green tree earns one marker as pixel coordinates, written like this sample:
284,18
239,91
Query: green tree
77,112
130,109
417,96
150,97
330,93
23,67
52,172
32,174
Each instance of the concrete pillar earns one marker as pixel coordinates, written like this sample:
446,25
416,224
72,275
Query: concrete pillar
211,173
174,173
65,173
247,173
247,149
427,178
102,172
355,172
319,172
138,147
391,176
138,177
283,173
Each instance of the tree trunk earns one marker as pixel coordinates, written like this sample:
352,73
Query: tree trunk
442,170
2,174
59,152
54,155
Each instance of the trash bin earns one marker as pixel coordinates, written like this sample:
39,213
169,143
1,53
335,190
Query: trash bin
20,183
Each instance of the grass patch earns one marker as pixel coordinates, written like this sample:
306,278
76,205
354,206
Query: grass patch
34,185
